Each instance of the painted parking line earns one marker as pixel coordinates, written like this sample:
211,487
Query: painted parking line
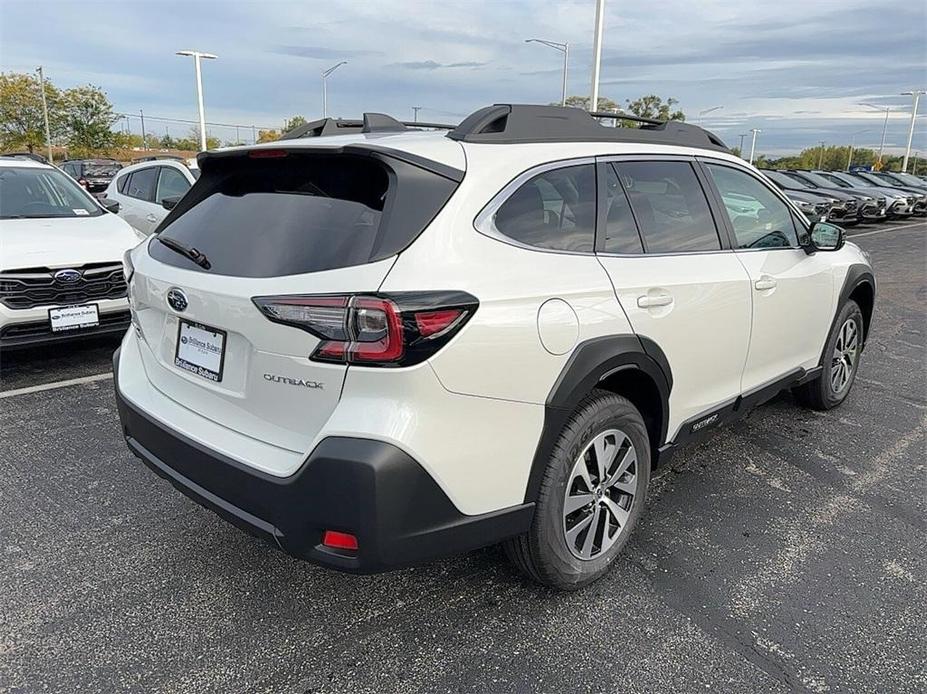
55,385
886,230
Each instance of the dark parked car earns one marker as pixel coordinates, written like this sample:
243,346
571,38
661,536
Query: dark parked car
843,208
93,174
902,203
872,207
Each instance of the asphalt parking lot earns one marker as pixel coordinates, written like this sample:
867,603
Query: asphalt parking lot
785,553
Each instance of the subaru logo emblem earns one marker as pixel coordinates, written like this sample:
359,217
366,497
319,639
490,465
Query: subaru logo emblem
176,299
68,276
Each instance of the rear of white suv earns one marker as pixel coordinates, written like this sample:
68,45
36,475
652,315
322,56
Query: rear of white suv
378,349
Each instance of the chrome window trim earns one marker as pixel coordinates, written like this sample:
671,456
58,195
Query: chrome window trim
484,222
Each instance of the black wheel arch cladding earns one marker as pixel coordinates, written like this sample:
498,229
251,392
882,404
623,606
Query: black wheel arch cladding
591,362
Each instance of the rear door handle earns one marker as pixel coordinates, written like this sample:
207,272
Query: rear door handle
765,283
654,300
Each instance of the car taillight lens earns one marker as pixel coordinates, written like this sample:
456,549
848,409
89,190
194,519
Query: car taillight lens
397,329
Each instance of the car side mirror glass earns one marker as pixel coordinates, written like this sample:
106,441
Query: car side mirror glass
827,237
110,205
170,202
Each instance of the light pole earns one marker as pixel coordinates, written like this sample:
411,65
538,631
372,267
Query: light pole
821,155
141,115
325,75
706,112
415,110
45,111
565,49
597,53
887,110
197,56
753,145
852,143
916,94
741,147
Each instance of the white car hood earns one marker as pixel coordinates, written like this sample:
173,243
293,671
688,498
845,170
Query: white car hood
69,242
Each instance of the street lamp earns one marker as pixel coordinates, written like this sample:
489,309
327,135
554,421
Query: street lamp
325,75
197,56
565,49
887,110
740,148
753,145
41,72
415,110
821,156
852,143
706,112
916,94
597,53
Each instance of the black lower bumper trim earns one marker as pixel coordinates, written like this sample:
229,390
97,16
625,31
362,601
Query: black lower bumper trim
368,488
34,333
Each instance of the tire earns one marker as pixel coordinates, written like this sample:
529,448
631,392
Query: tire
544,553
840,363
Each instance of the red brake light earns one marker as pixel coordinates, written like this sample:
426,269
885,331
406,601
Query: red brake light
267,153
336,540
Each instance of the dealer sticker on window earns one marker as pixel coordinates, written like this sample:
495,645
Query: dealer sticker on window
200,350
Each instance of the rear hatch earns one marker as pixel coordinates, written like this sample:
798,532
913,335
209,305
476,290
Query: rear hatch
270,223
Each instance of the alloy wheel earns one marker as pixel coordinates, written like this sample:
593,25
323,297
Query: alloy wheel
599,494
846,351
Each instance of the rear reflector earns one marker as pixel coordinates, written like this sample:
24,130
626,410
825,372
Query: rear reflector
433,322
336,540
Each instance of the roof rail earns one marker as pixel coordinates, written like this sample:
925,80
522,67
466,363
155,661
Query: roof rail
371,123
518,123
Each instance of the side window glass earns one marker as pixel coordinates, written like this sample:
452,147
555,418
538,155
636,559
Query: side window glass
142,184
670,206
759,218
620,229
121,183
553,210
171,183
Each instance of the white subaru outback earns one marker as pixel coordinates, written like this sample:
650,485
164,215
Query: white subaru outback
390,345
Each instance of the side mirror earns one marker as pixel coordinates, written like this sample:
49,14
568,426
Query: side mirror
826,237
109,205
169,203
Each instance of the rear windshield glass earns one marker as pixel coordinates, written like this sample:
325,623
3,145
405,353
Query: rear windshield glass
301,213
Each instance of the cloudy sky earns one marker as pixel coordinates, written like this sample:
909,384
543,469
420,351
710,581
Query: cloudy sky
797,69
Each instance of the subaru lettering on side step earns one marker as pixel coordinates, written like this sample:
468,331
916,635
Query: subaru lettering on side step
375,343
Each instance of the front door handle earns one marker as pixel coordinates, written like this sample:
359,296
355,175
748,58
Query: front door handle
765,283
654,300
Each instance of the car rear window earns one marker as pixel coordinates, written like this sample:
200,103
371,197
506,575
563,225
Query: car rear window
305,212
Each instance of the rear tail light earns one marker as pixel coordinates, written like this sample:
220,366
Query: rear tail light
337,540
398,329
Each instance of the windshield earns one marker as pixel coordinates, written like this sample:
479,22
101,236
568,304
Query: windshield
779,179
907,179
818,180
32,193
867,179
106,170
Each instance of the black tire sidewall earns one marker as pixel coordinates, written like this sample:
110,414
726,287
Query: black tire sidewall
557,565
831,399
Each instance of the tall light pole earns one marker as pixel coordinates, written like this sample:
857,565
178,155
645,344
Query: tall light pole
706,112
852,143
821,156
325,75
887,110
415,110
565,49
141,115
45,111
597,53
753,145
741,147
916,94
197,56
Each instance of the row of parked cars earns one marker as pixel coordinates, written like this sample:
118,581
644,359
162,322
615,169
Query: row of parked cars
853,197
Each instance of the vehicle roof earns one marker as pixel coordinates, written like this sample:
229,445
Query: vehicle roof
23,163
173,163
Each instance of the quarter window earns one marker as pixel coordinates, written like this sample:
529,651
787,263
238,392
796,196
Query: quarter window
553,210
172,183
669,206
759,218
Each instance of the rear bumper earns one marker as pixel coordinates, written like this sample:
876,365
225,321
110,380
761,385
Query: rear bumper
368,488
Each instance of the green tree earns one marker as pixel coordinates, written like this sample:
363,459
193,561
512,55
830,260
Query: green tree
652,106
294,122
22,123
88,119
605,104
267,136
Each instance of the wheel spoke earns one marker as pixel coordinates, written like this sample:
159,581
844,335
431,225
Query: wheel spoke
593,528
604,452
629,458
574,532
621,516
628,486
576,501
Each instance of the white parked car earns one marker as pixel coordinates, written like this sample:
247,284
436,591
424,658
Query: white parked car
141,191
60,258
380,348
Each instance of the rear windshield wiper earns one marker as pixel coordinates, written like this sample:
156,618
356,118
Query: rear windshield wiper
187,252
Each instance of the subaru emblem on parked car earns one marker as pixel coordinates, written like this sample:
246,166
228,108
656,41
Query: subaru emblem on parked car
176,299
67,276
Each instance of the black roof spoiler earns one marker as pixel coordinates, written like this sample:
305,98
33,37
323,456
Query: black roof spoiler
371,123
521,123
